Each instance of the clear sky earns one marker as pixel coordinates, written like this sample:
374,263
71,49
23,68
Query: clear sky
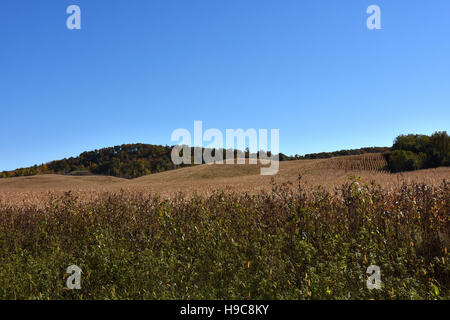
139,69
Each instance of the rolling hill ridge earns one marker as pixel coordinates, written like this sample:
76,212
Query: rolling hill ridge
137,160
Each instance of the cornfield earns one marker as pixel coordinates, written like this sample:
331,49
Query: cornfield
368,162
284,244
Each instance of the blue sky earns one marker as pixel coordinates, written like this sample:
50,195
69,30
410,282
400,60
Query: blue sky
137,70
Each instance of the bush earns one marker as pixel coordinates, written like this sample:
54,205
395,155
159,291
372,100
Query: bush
413,151
416,143
401,160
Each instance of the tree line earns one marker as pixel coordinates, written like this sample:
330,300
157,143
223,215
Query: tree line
345,152
417,151
125,161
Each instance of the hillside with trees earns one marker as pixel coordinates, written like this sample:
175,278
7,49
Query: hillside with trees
409,152
136,160
125,161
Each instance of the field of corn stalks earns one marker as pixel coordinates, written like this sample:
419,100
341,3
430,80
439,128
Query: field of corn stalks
282,244
367,162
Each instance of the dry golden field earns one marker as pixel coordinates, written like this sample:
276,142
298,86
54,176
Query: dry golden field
295,241
204,179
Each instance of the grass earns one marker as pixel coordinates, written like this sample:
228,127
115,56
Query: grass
293,242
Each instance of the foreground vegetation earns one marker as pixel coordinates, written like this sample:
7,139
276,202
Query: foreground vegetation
291,243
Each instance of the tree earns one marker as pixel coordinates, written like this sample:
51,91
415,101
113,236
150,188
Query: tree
403,160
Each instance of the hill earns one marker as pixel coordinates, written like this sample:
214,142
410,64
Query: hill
327,173
49,182
137,160
410,152
126,161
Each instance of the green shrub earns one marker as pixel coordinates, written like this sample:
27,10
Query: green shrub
401,160
413,151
